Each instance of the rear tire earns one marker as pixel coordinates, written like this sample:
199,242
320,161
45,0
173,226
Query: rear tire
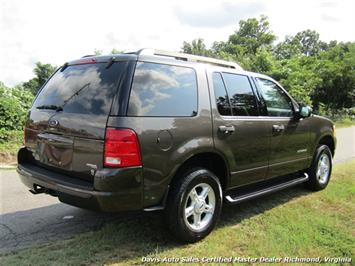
321,169
194,205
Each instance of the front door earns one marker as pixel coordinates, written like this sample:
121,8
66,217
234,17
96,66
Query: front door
289,142
238,132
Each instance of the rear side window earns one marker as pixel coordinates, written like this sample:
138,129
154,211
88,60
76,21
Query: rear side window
163,90
222,100
241,95
82,89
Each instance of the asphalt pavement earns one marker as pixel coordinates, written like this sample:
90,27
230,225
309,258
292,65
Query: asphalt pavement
345,149
27,219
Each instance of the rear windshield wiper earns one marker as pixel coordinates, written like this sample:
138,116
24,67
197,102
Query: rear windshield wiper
59,108
72,96
50,107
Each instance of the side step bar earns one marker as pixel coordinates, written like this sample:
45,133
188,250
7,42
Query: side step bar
266,190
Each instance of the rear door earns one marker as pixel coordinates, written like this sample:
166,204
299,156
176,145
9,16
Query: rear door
239,134
289,142
67,121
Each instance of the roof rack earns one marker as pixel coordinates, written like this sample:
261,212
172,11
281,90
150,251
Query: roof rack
188,57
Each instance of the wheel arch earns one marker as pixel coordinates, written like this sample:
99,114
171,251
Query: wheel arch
329,141
211,160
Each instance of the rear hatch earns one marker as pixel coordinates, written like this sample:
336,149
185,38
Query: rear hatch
66,126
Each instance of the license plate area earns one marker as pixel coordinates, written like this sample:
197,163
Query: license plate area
55,150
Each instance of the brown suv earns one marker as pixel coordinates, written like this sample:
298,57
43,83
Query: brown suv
155,130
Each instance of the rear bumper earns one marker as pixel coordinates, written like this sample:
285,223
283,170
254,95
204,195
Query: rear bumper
113,189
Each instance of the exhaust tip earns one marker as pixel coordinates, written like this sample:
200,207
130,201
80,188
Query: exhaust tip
38,189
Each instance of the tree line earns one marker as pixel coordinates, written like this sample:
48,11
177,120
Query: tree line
315,72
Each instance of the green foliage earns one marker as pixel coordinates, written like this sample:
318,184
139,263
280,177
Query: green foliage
196,47
314,72
303,43
336,68
42,72
14,104
116,51
12,144
97,52
298,77
252,35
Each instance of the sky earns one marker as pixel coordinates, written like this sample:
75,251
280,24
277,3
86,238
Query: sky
58,31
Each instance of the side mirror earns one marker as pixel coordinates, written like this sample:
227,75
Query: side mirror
304,111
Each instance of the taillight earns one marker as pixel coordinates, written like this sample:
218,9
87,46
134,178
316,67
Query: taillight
121,148
24,136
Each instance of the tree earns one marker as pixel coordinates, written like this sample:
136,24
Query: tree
253,34
196,47
314,72
297,75
116,51
250,45
336,68
42,72
97,52
14,104
305,43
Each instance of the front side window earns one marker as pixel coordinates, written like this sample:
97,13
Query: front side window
241,95
163,90
277,102
222,100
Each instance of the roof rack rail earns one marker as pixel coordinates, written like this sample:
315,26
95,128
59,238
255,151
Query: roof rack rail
189,57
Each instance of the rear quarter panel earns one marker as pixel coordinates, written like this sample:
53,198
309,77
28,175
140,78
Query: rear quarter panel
180,138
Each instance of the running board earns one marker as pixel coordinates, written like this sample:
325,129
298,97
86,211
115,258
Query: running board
266,190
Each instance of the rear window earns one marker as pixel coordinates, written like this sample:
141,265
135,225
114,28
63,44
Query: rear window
163,90
83,89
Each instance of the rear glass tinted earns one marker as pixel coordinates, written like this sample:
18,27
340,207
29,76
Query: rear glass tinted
241,95
163,90
83,89
222,100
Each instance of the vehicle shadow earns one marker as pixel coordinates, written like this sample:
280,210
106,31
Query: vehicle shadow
118,237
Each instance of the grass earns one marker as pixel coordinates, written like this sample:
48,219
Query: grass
291,223
346,122
9,149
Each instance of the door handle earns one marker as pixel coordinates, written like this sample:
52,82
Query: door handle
226,129
278,128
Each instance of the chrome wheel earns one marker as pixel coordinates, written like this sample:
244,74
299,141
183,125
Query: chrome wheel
323,169
199,207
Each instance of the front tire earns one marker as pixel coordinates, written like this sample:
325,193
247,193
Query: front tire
321,169
194,205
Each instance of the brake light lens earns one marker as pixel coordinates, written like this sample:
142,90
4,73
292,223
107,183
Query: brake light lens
24,136
85,61
121,148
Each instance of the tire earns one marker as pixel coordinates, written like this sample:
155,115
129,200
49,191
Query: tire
321,169
184,206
